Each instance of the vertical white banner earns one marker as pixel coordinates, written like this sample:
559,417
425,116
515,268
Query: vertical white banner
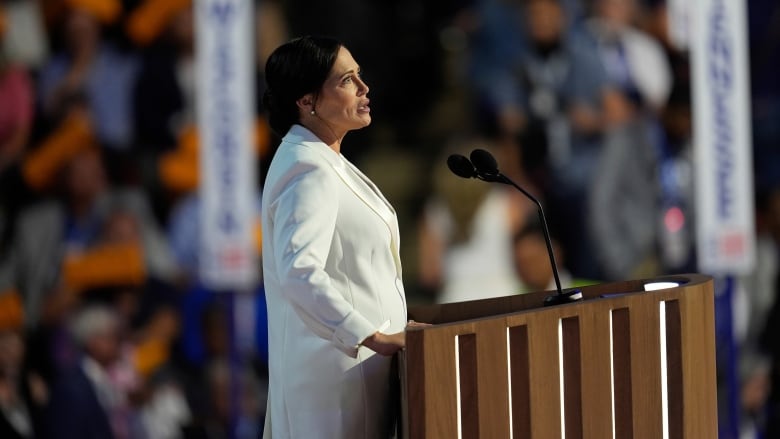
722,138
225,103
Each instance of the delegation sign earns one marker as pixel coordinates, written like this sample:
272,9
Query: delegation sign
722,137
225,111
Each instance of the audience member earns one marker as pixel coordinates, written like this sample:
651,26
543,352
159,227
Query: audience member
24,34
86,402
23,393
623,213
634,61
16,113
16,121
764,47
55,247
210,378
164,93
657,23
163,408
585,103
760,368
642,210
637,154
556,101
677,215
465,235
532,261
90,66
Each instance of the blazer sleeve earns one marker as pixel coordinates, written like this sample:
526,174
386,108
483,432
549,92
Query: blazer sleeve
304,220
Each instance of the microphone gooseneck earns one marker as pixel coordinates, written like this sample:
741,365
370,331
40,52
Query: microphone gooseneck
484,167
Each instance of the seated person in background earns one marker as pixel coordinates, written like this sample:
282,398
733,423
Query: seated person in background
532,261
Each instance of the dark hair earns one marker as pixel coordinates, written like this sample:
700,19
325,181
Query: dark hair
532,227
294,69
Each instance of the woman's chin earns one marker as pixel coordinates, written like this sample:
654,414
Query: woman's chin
365,120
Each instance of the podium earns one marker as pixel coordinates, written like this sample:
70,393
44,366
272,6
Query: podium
623,362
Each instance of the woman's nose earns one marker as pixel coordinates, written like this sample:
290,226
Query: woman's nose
362,87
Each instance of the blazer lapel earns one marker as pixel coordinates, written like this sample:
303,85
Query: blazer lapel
352,177
365,189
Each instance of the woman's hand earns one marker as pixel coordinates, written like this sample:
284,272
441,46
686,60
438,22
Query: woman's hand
389,344
386,344
413,324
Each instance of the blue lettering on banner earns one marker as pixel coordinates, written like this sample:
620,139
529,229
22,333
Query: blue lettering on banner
720,69
221,11
225,115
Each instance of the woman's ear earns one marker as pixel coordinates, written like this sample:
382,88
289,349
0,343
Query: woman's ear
306,103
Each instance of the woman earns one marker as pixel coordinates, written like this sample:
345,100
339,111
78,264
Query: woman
336,304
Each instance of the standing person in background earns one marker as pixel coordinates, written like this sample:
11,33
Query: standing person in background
91,68
759,363
16,118
556,103
336,302
634,61
23,394
86,402
16,113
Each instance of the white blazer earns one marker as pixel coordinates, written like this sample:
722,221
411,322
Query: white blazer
332,278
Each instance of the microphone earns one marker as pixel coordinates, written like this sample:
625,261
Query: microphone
483,166
461,166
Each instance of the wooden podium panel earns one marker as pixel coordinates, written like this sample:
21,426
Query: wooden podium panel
623,362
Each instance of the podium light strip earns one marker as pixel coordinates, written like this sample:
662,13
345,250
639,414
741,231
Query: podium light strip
509,381
655,286
664,380
457,386
560,378
612,373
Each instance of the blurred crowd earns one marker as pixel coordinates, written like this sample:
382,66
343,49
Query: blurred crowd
106,329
